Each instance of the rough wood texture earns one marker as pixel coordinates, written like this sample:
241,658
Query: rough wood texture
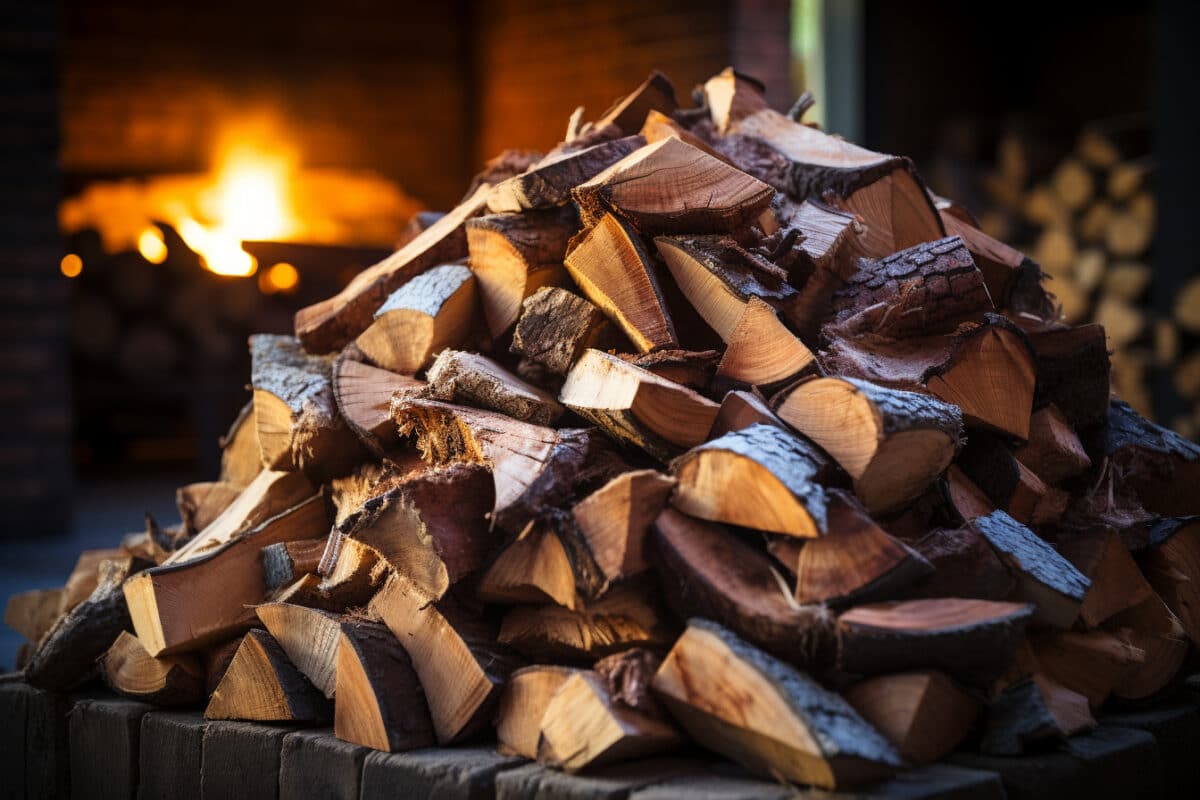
1014,281
989,464
1073,372
548,183
310,637
1033,711
333,323
973,640
166,681
262,685
1171,567
523,705
105,747
759,477
240,454
1117,583
201,503
741,409
556,327
1088,663
285,562
1152,628
766,715
762,351
965,565
473,380
1159,463
534,568
614,520
364,398
924,714
170,763
1053,451
241,758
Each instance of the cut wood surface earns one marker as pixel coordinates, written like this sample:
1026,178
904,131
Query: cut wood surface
924,714
523,706
732,96
433,311
474,380
364,398
1116,581
262,685
201,503
1033,711
615,519
534,568
548,183
741,409
167,681
1169,565
762,351
286,562
556,326
1088,663
241,459
693,369
1073,372
1152,628
309,637
965,565
1053,451
763,713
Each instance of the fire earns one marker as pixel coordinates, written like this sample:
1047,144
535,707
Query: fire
151,245
219,251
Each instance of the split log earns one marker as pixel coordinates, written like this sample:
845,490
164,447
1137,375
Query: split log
454,653
216,662
299,427
973,640
423,220
1008,484
33,613
1088,663
364,397
672,187
200,504
614,521
241,458
262,685
584,726
1033,711
1072,369
514,255
1172,566
1044,578
1013,280
1152,628
1053,451
707,570
659,126
695,370
473,380
656,93
310,638
614,271
636,406
85,577
350,577
893,443
855,561
732,96
429,313
523,706
828,253
925,715
927,289
766,715
965,565
66,655
1116,581
379,703
760,477
1162,466
267,496
286,562
167,681
762,351
741,409
626,616
548,183
556,327
179,608
533,569
333,323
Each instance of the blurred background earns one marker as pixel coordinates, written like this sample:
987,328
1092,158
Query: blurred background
180,175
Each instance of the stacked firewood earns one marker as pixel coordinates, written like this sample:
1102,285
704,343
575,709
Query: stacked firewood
705,427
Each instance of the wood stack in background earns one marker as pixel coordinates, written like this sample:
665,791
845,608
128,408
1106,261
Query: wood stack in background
704,429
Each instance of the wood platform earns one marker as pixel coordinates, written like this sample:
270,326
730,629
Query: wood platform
98,746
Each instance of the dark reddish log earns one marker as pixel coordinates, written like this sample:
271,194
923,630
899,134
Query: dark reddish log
1088,663
1007,483
741,409
656,93
1053,451
924,714
1014,280
1033,711
1161,465
827,248
964,566
285,562
548,182
1172,565
1072,369
1117,583
695,370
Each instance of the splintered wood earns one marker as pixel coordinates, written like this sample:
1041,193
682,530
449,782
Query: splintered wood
704,428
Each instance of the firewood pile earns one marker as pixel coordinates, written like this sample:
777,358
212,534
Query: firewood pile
704,428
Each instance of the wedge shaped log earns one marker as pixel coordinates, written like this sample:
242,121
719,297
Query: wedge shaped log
523,705
364,398
548,182
165,681
261,685
474,380
310,638
924,714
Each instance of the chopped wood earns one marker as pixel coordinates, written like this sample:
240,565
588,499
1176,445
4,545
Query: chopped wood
548,182
364,398
656,93
637,406
241,458
628,675
1152,628
474,380
201,503
659,126
350,579
1043,577
732,96
762,351
262,685
741,409
1053,451
533,569
1007,483
299,427
310,638
32,613
166,681
766,715
1033,711
1013,280
216,662
672,187
514,255
707,570
584,726
434,310
1160,464
1117,583
855,561
613,270
523,706
333,323
760,477
893,443
423,220
85,577
973,640
614,521
495,171
924,714
182,607
1072,370
965,565
285,562
695,370
1172,566
379,701
967,499
454,653
557,326
1088,663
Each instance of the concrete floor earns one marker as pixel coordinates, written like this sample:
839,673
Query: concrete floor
104,511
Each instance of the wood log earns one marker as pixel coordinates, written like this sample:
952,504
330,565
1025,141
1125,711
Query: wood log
286,562
514,255
924,714
262,685
695,370
379,701
1033,711
216,661
1044,578
1007,483
310,637
672,187
965,565
66,654
1186,304
659,126
1172,567
1072,369
201,503
584,726
1152,628
364,397
1127,280
557,326
1088,663
84,577
535,568
1160,464
179,608
732,96
636,406
473,380
455,655
1053,451
855,561
495,171
762,351
656,93
871,431
707,570
973,640
423,220
1128,235
760,477
333,323
628,674
350,577
1013,280
523,706
33,613
613,270
614,521
1073,183
434,310
766,715
741,409
167,681
1117,583
241,458
548,182
830,246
